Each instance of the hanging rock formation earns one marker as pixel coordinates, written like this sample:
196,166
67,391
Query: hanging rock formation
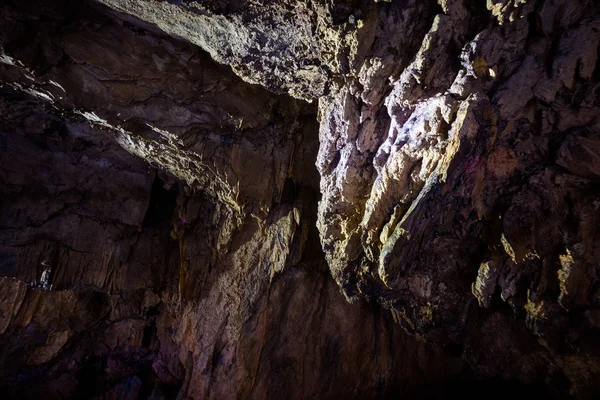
299,199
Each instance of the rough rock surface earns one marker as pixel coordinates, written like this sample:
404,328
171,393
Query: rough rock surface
164,231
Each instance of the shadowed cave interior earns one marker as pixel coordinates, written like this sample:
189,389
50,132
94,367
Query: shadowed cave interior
299,199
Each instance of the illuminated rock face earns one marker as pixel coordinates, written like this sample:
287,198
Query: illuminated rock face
170,225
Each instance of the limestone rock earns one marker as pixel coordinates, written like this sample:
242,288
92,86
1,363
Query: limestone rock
187,186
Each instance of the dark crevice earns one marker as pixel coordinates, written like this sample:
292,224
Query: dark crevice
289,192
148,335
162,205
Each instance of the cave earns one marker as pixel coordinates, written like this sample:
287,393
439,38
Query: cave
311,199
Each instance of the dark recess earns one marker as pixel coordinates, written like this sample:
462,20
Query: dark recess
161,207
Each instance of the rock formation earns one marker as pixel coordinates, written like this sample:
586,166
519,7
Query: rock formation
299,199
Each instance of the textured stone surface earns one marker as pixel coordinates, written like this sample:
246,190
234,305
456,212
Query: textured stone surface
165,233
168,277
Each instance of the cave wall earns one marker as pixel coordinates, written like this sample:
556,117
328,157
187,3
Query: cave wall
173,203
198,182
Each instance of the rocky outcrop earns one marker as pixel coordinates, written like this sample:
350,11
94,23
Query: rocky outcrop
165,231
